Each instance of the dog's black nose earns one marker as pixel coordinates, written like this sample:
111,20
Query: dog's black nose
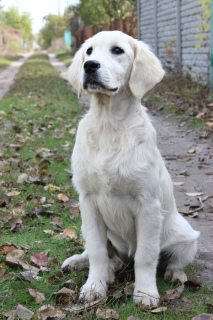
91,66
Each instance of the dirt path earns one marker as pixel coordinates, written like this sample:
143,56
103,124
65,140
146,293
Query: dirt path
7,76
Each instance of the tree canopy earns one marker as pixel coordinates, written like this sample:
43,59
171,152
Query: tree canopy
54,28
101,12
12,18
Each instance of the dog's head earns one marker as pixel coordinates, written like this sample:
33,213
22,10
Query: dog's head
111,61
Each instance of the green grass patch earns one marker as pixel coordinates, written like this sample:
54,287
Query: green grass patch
36,138
179,94
64,56
6,61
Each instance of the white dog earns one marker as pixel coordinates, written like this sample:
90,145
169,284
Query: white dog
125,192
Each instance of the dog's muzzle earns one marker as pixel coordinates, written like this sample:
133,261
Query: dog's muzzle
91,79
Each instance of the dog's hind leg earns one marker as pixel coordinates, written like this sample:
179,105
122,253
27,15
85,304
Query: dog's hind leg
78,261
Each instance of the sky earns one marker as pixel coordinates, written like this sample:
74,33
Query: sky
38,9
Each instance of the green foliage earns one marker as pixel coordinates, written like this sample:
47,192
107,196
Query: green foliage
101,12
206,17
54,28
12,18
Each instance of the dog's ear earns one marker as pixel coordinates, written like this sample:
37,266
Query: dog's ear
146,70
74,71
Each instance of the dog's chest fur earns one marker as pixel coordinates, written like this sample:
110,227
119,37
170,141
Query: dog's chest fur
107,167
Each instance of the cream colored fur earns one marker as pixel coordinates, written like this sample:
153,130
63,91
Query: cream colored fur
125,191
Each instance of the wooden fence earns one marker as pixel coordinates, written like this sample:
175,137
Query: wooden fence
128,26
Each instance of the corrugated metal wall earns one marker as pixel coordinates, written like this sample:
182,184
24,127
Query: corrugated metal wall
170,28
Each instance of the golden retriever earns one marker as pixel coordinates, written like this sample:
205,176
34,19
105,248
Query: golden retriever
126,194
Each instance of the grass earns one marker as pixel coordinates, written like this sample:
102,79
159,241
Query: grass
64,56
179,94
6,61
39,112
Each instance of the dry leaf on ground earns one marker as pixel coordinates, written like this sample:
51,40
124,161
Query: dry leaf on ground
65,296
107,314
158,310
14,223
38,296
23,313
62,198
39,259
74,212
4,200
172,294
17,254
48,311
5,248
203,316
70,232
13,193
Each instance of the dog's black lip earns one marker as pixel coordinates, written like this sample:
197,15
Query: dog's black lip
93,81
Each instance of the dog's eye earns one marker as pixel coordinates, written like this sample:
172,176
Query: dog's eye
117,50
89,51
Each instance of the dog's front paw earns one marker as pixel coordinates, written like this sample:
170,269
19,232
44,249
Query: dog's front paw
147,296
175,276
93,290
75,262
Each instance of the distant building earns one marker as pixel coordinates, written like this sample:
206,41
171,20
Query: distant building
170,27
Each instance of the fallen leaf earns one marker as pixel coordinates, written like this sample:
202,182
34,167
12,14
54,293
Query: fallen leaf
57,220
17,210
13,193
128,290
78,308
38,296
65,296
17,254
74,212
14,223
194,194
203,316
172,294
5,248
30,275
69,203
191,150
39,259
107,314
23,177
191,283
23,313
4,200
178,184
4,276
50,232
71,230
42,200
55,277
48,311
62,197
18,263
184,173
117,294
158,310
132,318
53,188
